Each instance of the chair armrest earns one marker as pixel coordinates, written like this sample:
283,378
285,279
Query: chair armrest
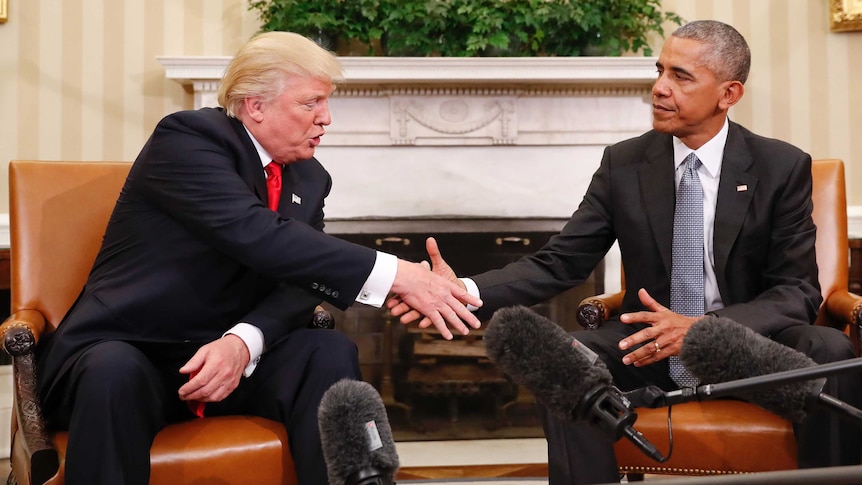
31,320
20,333
845,309
322,319
595,310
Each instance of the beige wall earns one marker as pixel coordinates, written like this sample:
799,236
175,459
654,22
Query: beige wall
805,84
79,79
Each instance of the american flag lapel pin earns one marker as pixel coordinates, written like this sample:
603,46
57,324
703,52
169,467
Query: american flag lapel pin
741,188
296,199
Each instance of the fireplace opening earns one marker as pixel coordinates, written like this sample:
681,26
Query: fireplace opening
442,390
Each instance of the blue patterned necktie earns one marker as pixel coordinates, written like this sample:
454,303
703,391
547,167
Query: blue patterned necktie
686,276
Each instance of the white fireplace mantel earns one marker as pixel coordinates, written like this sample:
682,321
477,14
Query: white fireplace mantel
526,75
499,137
448,70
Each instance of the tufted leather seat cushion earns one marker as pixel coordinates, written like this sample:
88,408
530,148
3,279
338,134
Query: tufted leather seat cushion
216,451
718,436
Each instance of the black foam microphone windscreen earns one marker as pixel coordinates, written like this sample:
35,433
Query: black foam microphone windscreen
355,435
717,349
539,355
562,373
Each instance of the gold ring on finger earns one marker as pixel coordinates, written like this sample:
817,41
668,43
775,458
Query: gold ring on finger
657,348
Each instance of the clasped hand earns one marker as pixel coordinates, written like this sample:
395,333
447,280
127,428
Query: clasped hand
440,301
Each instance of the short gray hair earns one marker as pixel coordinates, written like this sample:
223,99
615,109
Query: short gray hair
728,55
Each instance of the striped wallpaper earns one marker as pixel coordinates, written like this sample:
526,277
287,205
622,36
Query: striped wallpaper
806,82
79,79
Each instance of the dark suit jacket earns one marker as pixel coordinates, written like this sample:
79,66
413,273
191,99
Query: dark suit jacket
763,240
191,248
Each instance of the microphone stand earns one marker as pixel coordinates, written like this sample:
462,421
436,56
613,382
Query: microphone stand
609,410
653,397
370,475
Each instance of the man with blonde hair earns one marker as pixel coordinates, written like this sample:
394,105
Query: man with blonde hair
210,269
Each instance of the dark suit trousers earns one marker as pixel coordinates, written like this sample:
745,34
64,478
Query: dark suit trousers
117,397
579,453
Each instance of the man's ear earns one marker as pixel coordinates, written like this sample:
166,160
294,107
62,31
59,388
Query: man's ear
254,107
731,94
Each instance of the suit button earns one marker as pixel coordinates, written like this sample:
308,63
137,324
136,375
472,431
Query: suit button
314,286
335,294
328,291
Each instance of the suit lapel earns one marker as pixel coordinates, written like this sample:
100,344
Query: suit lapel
735,191
657,186
250,168
288,188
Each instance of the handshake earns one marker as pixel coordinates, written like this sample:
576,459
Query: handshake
434,294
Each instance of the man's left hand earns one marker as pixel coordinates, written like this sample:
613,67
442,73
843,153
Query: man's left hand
217,368
661,339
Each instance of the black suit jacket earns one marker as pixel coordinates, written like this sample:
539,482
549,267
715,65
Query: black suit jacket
191,248
763,239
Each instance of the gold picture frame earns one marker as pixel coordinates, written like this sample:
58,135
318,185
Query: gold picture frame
4,11
845,15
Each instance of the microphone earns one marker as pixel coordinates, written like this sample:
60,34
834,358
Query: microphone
561,372
355,435
717,350
730,359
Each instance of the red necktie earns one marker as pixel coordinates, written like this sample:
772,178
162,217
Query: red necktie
196,407
273,184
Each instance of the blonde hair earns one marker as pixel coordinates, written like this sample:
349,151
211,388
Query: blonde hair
262,64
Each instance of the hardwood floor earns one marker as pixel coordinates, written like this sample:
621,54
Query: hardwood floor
473,471
457,473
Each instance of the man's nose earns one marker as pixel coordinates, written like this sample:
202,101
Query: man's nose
660,87
323,117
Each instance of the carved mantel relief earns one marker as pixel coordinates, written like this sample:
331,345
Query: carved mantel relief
456,118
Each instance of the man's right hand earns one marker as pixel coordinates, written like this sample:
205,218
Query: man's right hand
437,295
216,369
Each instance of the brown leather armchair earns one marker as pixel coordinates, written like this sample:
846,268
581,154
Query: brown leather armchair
721,437
58,213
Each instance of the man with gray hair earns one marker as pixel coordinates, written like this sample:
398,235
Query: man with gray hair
710,219
210,269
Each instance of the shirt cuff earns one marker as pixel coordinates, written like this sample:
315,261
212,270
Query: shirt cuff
379,282
473,290
253,338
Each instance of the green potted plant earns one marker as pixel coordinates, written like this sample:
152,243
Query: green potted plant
471,27
320,20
